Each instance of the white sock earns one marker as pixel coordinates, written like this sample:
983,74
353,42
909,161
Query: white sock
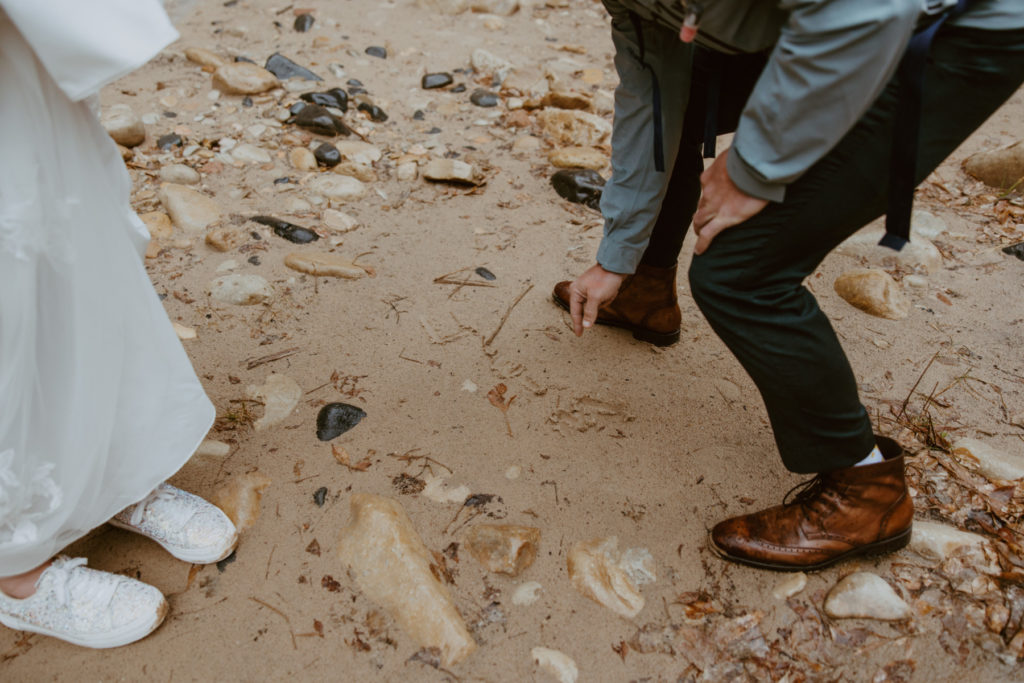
874,457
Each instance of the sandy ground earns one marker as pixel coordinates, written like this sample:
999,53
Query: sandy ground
608,436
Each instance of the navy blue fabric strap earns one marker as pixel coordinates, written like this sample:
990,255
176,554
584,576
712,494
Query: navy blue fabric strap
659,145
906,131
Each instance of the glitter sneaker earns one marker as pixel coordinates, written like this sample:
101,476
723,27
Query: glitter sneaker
85,606
186,525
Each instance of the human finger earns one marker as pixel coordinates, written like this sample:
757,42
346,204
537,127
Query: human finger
707,233
576,299
590,307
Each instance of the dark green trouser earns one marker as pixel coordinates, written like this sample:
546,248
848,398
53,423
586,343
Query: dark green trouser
749,283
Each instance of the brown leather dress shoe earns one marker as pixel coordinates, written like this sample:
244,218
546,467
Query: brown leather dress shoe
647,305
854,511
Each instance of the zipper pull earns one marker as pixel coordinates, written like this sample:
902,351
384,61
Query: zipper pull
691,20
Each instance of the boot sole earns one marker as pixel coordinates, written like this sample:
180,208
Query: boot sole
639,333
877,548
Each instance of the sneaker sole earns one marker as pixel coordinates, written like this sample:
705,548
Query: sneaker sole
883,547
639,333
123,636
206,556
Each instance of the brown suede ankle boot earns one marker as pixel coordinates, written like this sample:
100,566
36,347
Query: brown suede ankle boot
647,305
839,514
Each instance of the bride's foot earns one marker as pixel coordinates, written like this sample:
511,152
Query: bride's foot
21,586
189,528
83,606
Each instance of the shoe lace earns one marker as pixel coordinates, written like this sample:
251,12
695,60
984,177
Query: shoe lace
178,515
88,586
804,491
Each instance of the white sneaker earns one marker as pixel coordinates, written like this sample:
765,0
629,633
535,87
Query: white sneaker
186,525
86,607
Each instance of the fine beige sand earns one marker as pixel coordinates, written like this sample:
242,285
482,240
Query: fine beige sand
599,436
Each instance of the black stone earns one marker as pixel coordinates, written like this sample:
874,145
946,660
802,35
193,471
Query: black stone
436,80
418,115
377,51
254,260
320,496
166,142
334,419
434,131
223,564
357,90
461,87
284,68
303,22
170,115
246,101
284,180
317,119
580,185
289,231
297,107
486,274
375,113
484,98
244,59
1015,250
327,155
354,82
478,500
335,97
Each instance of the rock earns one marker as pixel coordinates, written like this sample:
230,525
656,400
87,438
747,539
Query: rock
484,98
165,143
866,596
224,239
335,97
578,157
999,167
359,152
918,253
503,548
363,173
500,7
289,231
484,62
179,174
284,68
338,221
124,125
320,496
304,22
377,51
158,224
280,394
240,499
302,159
184,333
213,448
453,171
436,80
334,419
526,594
578,128
565,99
324,265
438,490
241,290
597,572
790,586
493,23
337,187
409,170
1015,250
873,291
317,119
126,154
988,460
389,562
927,224
204,57
250,154
583,186
444,6
558,665
191,211
373,111
915,281
526,144
327,155
242,78
935,541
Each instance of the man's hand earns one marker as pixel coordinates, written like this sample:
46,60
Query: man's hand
722,204
587,292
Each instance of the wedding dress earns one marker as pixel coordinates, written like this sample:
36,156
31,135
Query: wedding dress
98,400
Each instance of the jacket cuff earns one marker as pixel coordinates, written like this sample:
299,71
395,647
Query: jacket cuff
745,177
617,257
